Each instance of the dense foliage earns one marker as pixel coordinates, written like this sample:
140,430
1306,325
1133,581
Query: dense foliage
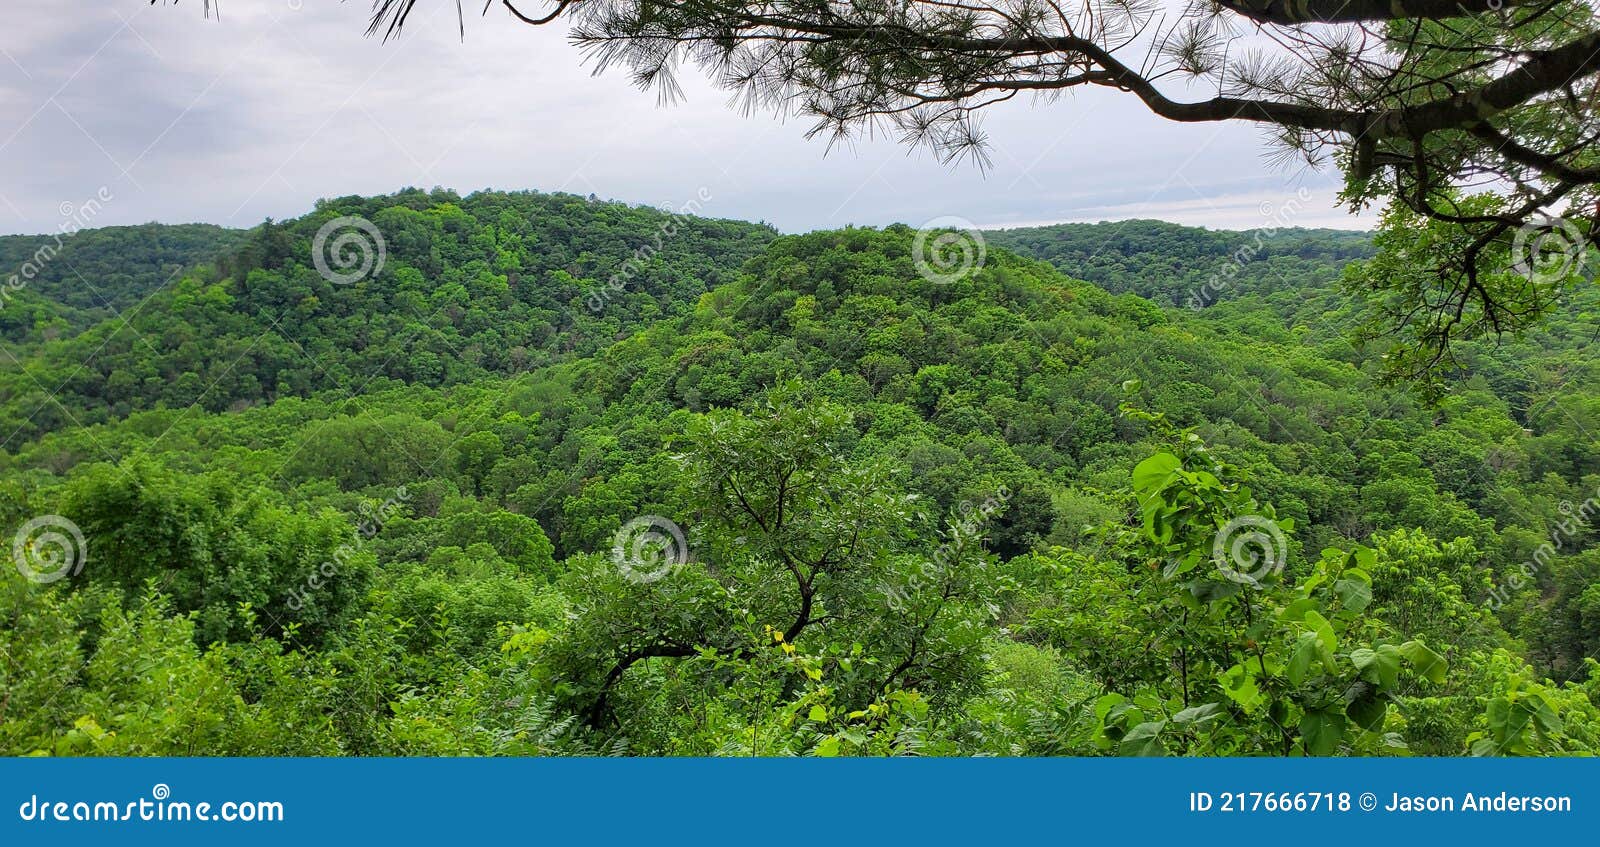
974,517
69,280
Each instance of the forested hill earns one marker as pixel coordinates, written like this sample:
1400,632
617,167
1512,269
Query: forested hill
1288,283
60,283
890,513
1180,265
495,283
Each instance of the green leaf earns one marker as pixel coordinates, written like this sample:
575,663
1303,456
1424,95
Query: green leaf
819,713
1105,704
1498,713
1353,593
1429,664
1212,590
1544,717
1143,740
1196,715
1380,666
1321,732
1240,686
1368,710
1300,661
1153,473
1327,641
1296,610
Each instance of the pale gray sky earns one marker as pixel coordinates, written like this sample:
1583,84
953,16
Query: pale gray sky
282,102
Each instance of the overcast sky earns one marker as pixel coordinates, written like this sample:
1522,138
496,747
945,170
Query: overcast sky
280,102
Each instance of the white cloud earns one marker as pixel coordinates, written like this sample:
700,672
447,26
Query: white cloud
272,107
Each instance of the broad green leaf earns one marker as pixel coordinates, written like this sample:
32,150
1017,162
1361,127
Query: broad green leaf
1104,705
1153,473
1327,641
1143,740
1196,715
1368,710
1379,666
1240,686
1544,717
1212,590
1296,610
1353,593
1305,652
1429,664
1321,732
